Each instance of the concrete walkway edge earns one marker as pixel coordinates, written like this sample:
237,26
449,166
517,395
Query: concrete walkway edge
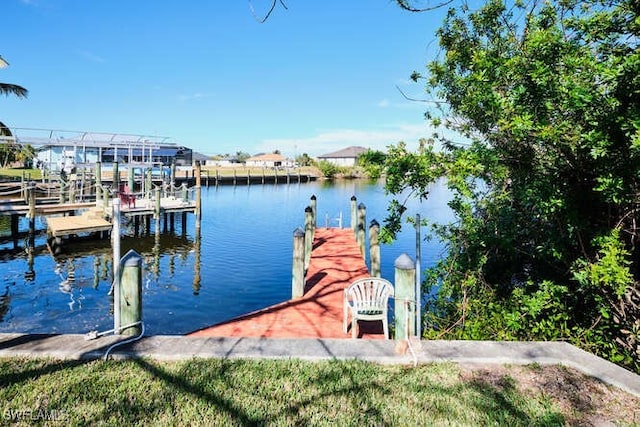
175,347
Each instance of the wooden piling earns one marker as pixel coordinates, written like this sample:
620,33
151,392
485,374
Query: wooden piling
130,180
354,215
360,235
131,293
297,283
314,209
404,298
116,177
115,244
198,197
308,235
98,183
374,248
31,197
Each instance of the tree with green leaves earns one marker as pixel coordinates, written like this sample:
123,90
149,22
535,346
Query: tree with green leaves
373,162
546,197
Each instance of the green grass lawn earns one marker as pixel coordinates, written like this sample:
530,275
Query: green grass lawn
241,392
18,173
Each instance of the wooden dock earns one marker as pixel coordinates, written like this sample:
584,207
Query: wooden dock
335,263
90,221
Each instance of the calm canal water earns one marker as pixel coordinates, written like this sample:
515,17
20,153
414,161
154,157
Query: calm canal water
241,263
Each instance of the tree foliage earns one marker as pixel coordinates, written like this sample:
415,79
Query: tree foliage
372,161
545,242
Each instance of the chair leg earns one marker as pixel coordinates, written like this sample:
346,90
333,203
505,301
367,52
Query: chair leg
385,328
345,317
354,328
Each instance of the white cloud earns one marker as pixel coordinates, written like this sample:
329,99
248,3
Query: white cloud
91,56
197,95
326,141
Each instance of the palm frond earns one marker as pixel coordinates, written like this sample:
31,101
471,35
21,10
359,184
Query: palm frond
9,89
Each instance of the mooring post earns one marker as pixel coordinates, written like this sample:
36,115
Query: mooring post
131,293
308,235
183,193
99,183
72,187
31,197
198,196
24,189
115,243
374,248
116,176
314,210
149,184
173,175
158,207
354,215
131,180
297,282
62,195
105,199
196,263
405,314
360,236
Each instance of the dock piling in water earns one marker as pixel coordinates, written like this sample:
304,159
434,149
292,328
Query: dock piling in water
131,293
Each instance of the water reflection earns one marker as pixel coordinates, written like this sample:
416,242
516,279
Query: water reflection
239,262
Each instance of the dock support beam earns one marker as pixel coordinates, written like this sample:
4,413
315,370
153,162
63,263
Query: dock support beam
374,248
297,282
405,298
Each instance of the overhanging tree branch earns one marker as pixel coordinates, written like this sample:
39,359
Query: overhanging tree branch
406,5
429,101
273,6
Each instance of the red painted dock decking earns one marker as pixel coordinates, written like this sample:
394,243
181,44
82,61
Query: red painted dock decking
335,263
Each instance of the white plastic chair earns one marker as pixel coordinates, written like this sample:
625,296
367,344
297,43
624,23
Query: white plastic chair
367,299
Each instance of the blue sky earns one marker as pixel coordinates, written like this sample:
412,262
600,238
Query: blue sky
316,77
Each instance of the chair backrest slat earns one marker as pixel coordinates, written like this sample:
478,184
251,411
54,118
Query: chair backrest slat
371,294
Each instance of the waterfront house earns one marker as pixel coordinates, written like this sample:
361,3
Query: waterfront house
272,160
345,157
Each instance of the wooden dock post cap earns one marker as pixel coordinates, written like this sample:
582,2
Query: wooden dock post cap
308,209
131,259
313,197
404,262
374,223
298,232
362,206
354,198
